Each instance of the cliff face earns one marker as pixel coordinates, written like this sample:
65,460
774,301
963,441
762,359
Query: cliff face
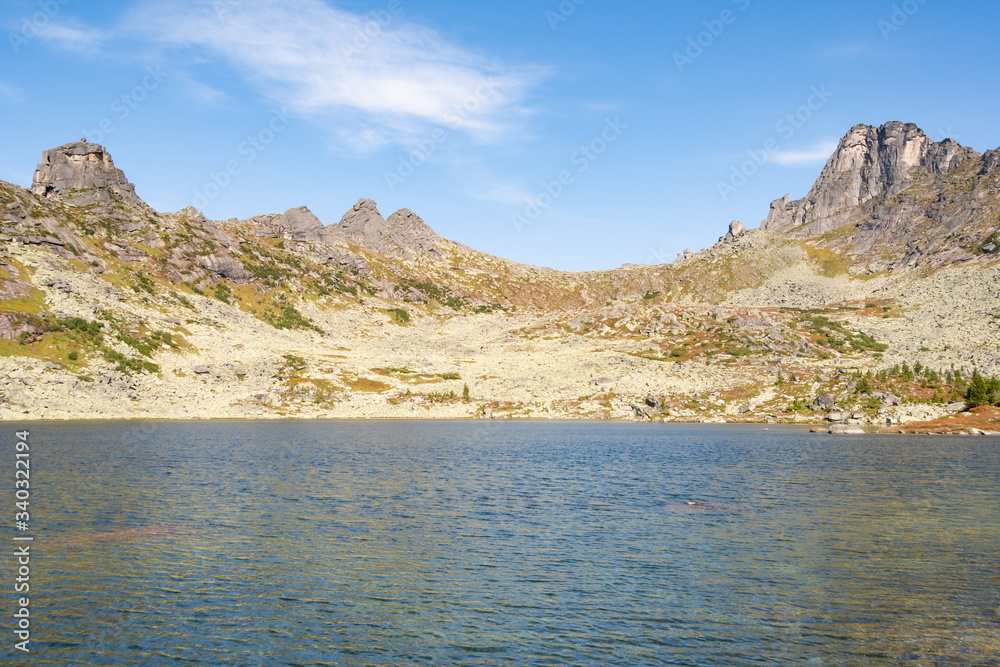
869,161
890,198
83,173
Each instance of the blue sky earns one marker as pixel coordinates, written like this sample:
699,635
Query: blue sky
577,134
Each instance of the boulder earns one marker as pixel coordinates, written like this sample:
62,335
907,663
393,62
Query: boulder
846,429
225,266
736,230
825,401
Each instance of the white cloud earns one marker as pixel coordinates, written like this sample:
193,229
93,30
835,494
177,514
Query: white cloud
384,78
12,93
73,38
819,153
503,193
200,92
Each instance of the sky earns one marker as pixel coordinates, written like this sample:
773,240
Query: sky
574,134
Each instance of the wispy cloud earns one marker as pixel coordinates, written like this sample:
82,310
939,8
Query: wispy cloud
12,93
502,193
200,92
73,37
387,77
819,153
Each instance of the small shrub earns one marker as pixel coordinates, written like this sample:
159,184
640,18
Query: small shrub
400,315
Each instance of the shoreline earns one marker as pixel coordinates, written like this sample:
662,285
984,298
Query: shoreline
813,427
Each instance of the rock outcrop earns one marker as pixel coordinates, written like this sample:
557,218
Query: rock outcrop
868,161
83,173
403,236
736,230
407,231
363,225
295,224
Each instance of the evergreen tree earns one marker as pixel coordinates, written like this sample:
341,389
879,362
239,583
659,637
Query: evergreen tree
982,391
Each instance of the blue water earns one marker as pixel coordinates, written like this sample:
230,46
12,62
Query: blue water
508,543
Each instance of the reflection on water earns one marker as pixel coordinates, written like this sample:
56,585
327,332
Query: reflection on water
294,543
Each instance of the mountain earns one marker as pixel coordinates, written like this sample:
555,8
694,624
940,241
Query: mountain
109,308
890,196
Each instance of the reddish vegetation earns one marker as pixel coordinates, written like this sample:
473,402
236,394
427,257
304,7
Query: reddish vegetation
983,419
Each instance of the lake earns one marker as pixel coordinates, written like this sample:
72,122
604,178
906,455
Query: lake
506,543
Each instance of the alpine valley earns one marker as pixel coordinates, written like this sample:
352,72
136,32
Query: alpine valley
871,300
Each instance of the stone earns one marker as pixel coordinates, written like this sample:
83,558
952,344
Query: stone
825,401
192,214
202,370
846,429
736,230
83,173
225,266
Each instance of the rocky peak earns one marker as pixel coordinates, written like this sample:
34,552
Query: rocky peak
868,161
363,225
295,224
408,230
403,235
83,173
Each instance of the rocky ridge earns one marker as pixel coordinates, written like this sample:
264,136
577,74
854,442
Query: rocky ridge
111,309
